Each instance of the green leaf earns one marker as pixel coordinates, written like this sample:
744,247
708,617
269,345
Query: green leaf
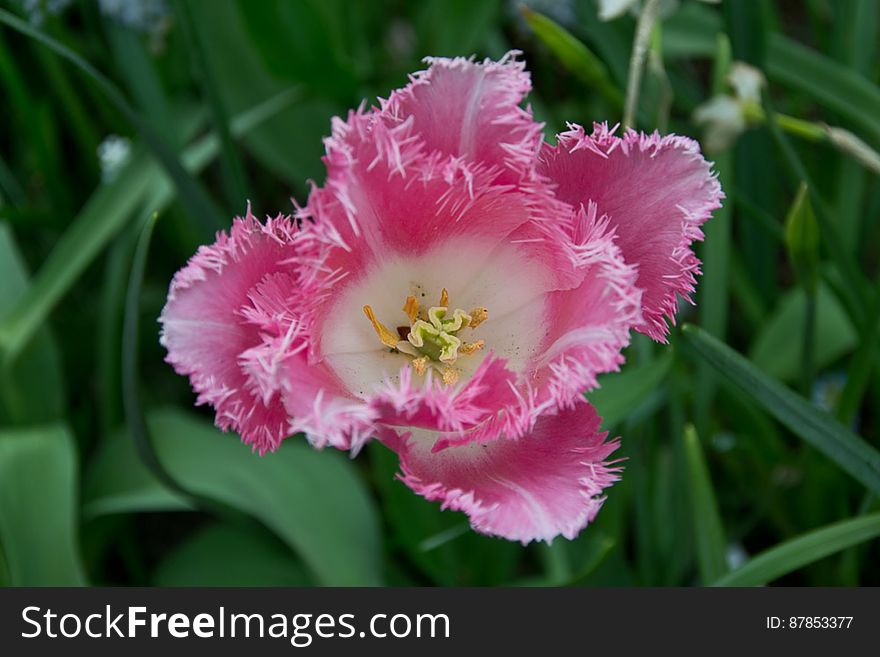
815,427
801,551
38,517
777,349
312,500
228,555
438,542
31,388
708,529
622,392
574,56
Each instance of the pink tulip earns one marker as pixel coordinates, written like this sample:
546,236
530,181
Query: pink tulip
452,290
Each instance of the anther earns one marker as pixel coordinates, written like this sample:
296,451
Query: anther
450,376
411,308
420,365
468,348
385,336
478,316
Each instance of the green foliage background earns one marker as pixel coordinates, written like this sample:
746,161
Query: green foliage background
751,441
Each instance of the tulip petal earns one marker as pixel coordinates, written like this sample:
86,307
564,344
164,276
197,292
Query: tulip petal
546,484
657,192
205,326
470,110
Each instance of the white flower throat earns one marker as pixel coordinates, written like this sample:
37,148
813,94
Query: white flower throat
432,337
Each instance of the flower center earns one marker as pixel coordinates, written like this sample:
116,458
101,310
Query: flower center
433,336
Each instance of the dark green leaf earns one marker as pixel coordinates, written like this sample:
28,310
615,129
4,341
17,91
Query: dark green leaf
777,347
31,387
622,392
708,529
38,508
227,555
312,500
846,449
802,551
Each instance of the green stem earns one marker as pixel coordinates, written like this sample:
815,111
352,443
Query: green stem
556,562
641,42
809,339
809,130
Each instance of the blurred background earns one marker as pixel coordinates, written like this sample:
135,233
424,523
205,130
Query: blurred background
132,130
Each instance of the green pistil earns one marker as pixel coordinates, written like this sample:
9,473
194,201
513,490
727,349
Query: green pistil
437,340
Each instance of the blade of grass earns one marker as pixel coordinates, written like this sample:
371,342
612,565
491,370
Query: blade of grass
855,41
199,205
74,111
802,551
574,56
104,215
234,175
837,87
708,529
32,389
134,413
26,115
714,290
858,373
849,451
108,347
750,305
137,69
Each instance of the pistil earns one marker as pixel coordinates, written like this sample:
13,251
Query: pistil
433,337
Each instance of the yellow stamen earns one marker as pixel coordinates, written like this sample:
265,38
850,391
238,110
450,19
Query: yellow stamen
420,365
450,376
471,347
411,308
478,316
387,338
444,298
